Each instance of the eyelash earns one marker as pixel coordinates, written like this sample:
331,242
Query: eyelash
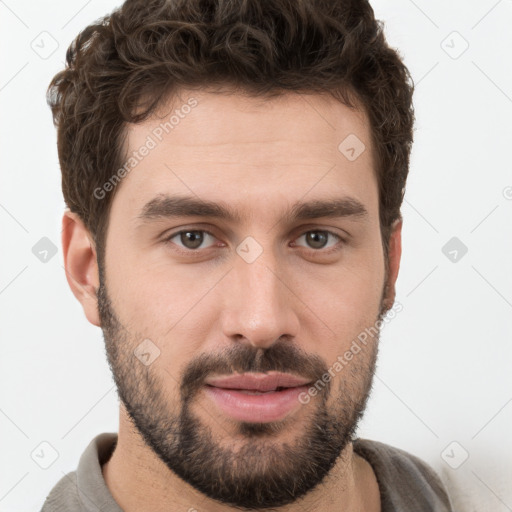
189,252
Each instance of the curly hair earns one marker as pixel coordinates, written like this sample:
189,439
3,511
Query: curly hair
123,66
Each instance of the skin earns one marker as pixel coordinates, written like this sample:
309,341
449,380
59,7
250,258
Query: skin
259,156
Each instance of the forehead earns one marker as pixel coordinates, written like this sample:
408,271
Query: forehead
234,147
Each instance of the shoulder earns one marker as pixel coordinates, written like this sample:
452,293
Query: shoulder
405,481
84,488
64,496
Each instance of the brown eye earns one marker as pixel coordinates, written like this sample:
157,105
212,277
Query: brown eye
318,239
191,239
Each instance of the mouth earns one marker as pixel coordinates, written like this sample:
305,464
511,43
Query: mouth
256,398
252,391
259,382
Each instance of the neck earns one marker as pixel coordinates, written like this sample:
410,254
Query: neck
134,469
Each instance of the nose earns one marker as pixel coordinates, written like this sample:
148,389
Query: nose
259,303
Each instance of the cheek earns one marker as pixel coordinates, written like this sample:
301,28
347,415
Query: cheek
164,303
345,300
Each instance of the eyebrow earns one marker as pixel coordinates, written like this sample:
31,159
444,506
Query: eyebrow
166,206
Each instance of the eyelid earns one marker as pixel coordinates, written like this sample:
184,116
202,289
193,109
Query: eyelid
323,251
167,239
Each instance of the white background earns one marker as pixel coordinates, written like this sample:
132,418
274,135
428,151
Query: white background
444,372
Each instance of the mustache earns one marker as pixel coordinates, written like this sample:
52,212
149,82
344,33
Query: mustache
281,356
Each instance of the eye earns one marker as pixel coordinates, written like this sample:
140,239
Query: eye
317,239
194,240
191,239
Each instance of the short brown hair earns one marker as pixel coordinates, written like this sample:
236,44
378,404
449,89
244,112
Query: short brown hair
120,68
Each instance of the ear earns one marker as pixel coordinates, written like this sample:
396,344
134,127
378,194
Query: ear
393,263
81,264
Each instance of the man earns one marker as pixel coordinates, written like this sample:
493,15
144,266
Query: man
234,173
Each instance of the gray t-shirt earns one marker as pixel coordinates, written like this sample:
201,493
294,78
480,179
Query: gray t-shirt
406,483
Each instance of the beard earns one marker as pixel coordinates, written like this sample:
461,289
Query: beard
253,469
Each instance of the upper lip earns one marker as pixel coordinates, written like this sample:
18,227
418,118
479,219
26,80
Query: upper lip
257,381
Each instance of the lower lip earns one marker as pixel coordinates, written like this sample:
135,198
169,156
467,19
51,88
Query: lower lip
261,408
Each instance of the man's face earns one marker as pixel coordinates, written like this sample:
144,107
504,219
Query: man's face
265,292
